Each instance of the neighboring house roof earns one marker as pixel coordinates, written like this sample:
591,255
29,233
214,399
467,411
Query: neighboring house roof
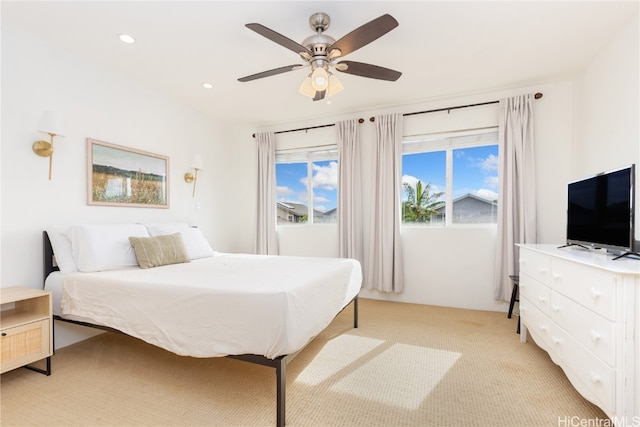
467,197
298,209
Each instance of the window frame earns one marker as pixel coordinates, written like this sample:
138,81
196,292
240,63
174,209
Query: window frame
310,155
448,142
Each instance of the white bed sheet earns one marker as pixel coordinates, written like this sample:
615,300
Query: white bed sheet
224,305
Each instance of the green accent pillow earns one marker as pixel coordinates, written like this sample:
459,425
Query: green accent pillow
159,250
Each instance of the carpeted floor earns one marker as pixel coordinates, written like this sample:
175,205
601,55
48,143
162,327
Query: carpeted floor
406,365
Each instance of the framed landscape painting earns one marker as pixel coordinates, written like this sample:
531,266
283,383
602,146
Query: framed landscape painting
121,176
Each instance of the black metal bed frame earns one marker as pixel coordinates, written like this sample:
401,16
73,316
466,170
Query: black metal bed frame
279,363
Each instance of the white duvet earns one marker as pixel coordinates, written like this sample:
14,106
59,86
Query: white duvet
224,305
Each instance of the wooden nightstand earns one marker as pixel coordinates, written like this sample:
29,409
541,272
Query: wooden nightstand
26,328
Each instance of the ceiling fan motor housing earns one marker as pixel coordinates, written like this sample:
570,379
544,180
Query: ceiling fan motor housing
319,22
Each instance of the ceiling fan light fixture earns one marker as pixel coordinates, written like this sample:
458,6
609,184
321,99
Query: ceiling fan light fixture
306,88
335,85
319,79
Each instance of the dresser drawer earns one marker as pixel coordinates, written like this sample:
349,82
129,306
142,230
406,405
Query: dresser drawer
537,323
535,292
593,378
21,345
595,332
592,287
535,265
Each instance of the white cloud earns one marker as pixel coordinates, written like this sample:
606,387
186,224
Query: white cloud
284,191
411,180
324,177
490,163
320,199
487,194
491,181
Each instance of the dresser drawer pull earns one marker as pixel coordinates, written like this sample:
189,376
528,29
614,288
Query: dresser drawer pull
542,327
555,340
556,276
595,378
542,299
595,335
542,271
555,307
4,334
595,293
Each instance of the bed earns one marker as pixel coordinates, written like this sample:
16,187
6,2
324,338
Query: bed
257,308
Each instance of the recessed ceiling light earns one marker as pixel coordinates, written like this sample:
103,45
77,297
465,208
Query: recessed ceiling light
126,38
207,85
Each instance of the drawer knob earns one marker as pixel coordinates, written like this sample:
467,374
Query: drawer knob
595,335
555,307
4,334
542,327
595,293
595,378
542,299
556,276
555,340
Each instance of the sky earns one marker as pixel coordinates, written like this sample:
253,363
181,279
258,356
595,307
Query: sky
475,172
291,184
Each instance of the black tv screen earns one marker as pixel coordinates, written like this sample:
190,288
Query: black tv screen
601,209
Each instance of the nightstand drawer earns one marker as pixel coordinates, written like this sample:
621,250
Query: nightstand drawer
23,344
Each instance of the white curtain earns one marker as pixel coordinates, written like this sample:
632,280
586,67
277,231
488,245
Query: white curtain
349,191
383,270
266,239
517,221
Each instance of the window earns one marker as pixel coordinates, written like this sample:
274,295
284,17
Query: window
306,185
450,179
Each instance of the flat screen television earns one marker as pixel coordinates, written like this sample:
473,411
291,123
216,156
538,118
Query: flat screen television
600,211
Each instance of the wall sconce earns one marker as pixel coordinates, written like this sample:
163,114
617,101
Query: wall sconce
197,164
49,123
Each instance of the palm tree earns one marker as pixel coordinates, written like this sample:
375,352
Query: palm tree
420,204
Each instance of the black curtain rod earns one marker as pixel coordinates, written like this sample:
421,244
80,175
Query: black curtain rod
536,96
308,128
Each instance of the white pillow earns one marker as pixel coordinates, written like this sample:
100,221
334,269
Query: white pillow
197,246
61,244
100,247
164,229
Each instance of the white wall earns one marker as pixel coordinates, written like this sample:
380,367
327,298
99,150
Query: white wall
607,125
98,104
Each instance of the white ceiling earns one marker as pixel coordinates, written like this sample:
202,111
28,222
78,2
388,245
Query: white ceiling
443,48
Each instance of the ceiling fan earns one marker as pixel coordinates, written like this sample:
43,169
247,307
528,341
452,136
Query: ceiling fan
320,52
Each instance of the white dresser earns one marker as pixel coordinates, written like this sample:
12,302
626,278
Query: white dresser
583,308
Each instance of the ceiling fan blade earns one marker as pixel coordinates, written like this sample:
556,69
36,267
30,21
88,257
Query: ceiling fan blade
319,95
270,73
367,70
365,34
278,38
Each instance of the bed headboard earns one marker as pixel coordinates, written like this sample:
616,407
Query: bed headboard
47,257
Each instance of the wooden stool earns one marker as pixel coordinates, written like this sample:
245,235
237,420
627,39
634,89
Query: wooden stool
514,297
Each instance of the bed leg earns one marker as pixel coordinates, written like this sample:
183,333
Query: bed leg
355,312
281,382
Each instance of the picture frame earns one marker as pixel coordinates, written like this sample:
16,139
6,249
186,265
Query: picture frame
123,176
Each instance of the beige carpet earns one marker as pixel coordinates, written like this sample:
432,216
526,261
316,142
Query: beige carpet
407,365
